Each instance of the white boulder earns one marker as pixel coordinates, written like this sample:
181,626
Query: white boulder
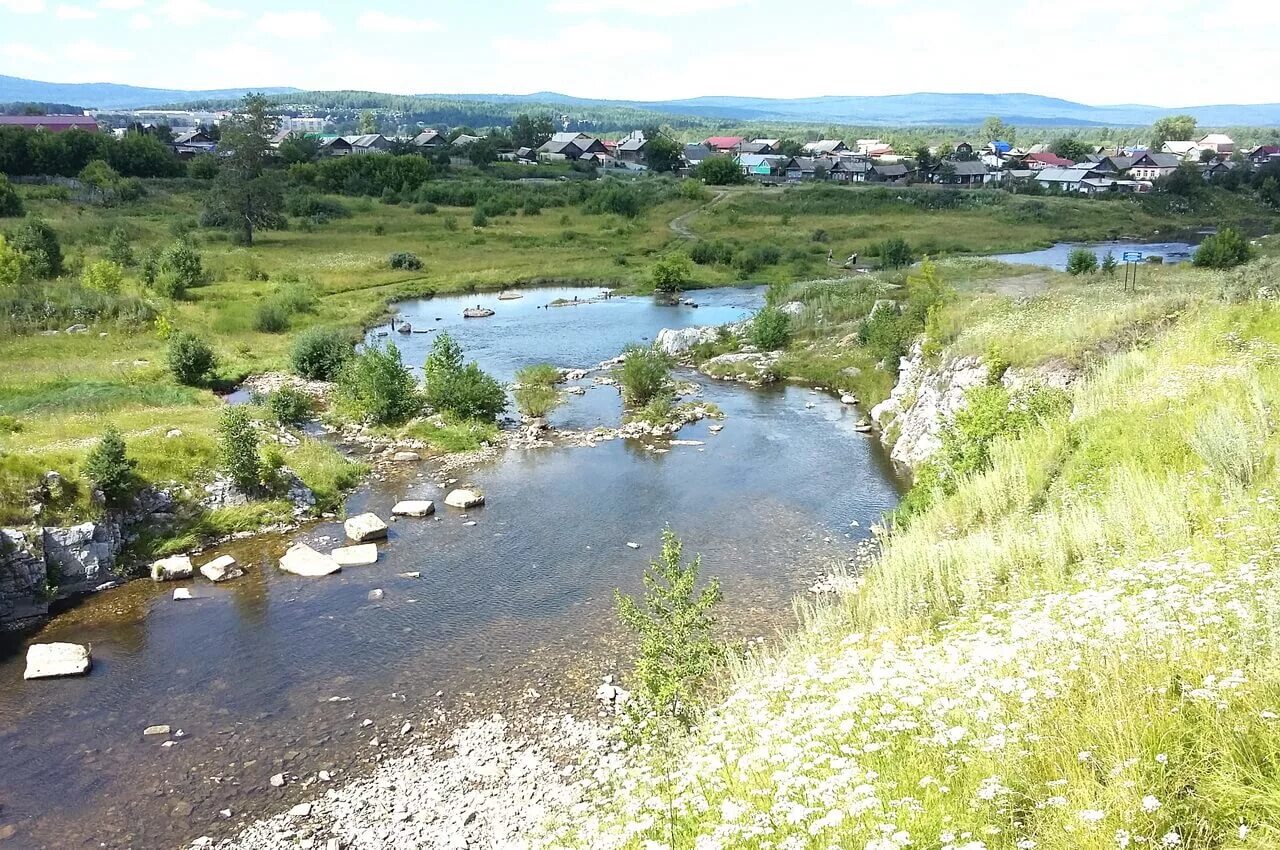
302,560
414,507
173,568
463,498
181,593
406,457
676,341
365,527
356,556
223,568
51,660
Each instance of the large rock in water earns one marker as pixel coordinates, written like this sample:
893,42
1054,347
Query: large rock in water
464,498
22,576
365,527
302,560
174,568
51,660
676,341
356,556
414,507
221,569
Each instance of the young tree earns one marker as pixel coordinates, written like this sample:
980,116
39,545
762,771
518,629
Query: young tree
1081,261
190,358
994,129
645,374
243,196
482,152
376,387
39,247
368,123
103,276
720,171
1177,128
99,176
13,266
1223,250
671,272
661,153
674,621
118,248
298,147
1069,147
11,205
238,450
319,353
464,391
109,468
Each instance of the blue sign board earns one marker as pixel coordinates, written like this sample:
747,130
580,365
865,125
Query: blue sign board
1132,256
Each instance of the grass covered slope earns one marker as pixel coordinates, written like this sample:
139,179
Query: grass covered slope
1075,648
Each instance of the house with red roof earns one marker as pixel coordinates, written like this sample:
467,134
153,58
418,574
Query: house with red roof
51,123
724,144
1037,161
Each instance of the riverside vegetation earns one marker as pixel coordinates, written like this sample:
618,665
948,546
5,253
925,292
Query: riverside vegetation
1068,637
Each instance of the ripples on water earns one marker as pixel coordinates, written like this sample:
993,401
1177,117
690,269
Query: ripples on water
523,599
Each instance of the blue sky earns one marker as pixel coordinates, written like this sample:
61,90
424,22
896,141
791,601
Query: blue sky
1174,53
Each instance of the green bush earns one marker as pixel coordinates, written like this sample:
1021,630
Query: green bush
463,391
479,219
10,201
238,449
289,405
645,373
103,276
109,468
190,358
405,260
1223,250
720,171
893,253
38,244
770,330
671,273
118,248
271,317
13,265
376,387
320,353
184,264
1081,261
315,208
535,392
203,167
716,252
425,208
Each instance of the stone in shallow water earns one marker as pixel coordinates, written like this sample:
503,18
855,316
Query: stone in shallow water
464,498
51,660
365,527
406,457
224,568
172,569
302,560
414,507
356,556
180,593
156,730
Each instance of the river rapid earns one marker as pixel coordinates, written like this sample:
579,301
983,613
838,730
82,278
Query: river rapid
275,673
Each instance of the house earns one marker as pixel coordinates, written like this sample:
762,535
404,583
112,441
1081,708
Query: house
887,173
1038,148
334,146
194,142
429,140
848,169
1069,179
825,147
962,150
760,165
51,123
967,173
694,154
1218,143
1264,155
571,146
999,148
1220,167
757,148
1114,166
769,145
1153,166
872,148
800,168
724,144
1043,159
1186,150
369,143
631,149
463,139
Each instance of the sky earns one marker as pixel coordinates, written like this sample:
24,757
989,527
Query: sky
1174,53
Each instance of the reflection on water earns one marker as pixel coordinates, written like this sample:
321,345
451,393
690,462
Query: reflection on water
1057,256
521,600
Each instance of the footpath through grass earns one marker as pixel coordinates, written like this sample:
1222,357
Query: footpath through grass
1077,648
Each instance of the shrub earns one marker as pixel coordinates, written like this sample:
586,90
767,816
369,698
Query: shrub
893,253
118,248
671,272
190,358
10,201
644,374
535,391
38,244
1109,264
424,208
375,386
13,266
1081,261
170,285
479,219
464,391
272,317
678,650
539,373
203,167
289,405
320,353
770,329
706,253
103,276
238,449
1223,250
405,260
720,171
109,468
183,262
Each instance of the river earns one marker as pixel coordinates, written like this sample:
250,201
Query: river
273,672
1056,256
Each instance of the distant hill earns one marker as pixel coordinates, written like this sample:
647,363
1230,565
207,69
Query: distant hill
111,95
921,108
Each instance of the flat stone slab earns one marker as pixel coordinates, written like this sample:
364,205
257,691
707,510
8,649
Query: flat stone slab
406,457
464,498
365,527
356,556
52,660
173,568
181,593
302,560
414,507
223,568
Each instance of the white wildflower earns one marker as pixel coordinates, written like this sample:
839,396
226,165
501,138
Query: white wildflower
1150,803
1171,839
1092,815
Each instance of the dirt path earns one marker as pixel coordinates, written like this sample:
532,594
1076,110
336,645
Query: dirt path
680,224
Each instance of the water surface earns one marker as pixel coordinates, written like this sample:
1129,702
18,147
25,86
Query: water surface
1056,257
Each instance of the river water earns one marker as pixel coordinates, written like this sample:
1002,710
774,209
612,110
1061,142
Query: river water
273,672
1056,256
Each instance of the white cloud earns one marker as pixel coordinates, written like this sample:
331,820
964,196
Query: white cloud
92,52
24,54
140,22
121,5
190,13
301,24
592,39
75,13
655,8
23,7
375,21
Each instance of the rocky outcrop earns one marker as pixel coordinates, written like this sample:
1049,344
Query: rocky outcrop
83,556
748,367
223,493
23,577
677,341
